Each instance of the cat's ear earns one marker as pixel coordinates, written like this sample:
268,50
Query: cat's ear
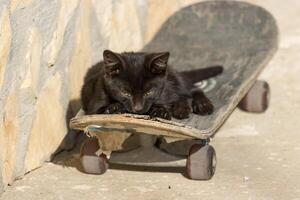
112,62
159,62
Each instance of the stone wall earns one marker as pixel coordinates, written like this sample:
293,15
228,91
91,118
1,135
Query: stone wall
46,46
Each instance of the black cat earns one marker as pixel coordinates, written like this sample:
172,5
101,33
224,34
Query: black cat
143,83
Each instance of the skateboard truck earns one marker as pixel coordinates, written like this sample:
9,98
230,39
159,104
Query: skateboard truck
147,154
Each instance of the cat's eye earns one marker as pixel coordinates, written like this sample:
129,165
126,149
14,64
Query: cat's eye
125,93
148,93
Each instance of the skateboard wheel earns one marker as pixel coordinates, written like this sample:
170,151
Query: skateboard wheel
201,162
257,99
92,163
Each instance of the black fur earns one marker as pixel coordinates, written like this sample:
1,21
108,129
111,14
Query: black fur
143,83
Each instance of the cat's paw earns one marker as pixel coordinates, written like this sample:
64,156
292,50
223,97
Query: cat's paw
160,111
202,106
181,110
114,108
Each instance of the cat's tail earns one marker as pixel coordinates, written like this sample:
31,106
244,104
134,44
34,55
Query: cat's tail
193,76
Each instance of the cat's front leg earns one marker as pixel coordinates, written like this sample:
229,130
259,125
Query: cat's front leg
201,104
160,111
114,108
181,108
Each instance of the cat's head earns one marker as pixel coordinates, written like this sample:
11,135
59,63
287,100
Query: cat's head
135,79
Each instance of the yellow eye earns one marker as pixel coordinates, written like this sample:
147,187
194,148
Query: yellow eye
125,93
148,93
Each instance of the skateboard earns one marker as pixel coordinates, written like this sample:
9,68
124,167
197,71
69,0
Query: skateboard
239,36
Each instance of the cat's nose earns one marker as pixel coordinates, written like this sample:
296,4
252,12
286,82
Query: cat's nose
138,108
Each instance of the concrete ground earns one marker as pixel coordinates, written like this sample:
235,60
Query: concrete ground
258,154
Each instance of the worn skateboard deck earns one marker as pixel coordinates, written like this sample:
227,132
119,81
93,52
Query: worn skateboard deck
239,36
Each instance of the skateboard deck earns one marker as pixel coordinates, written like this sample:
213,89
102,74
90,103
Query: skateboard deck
239,36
